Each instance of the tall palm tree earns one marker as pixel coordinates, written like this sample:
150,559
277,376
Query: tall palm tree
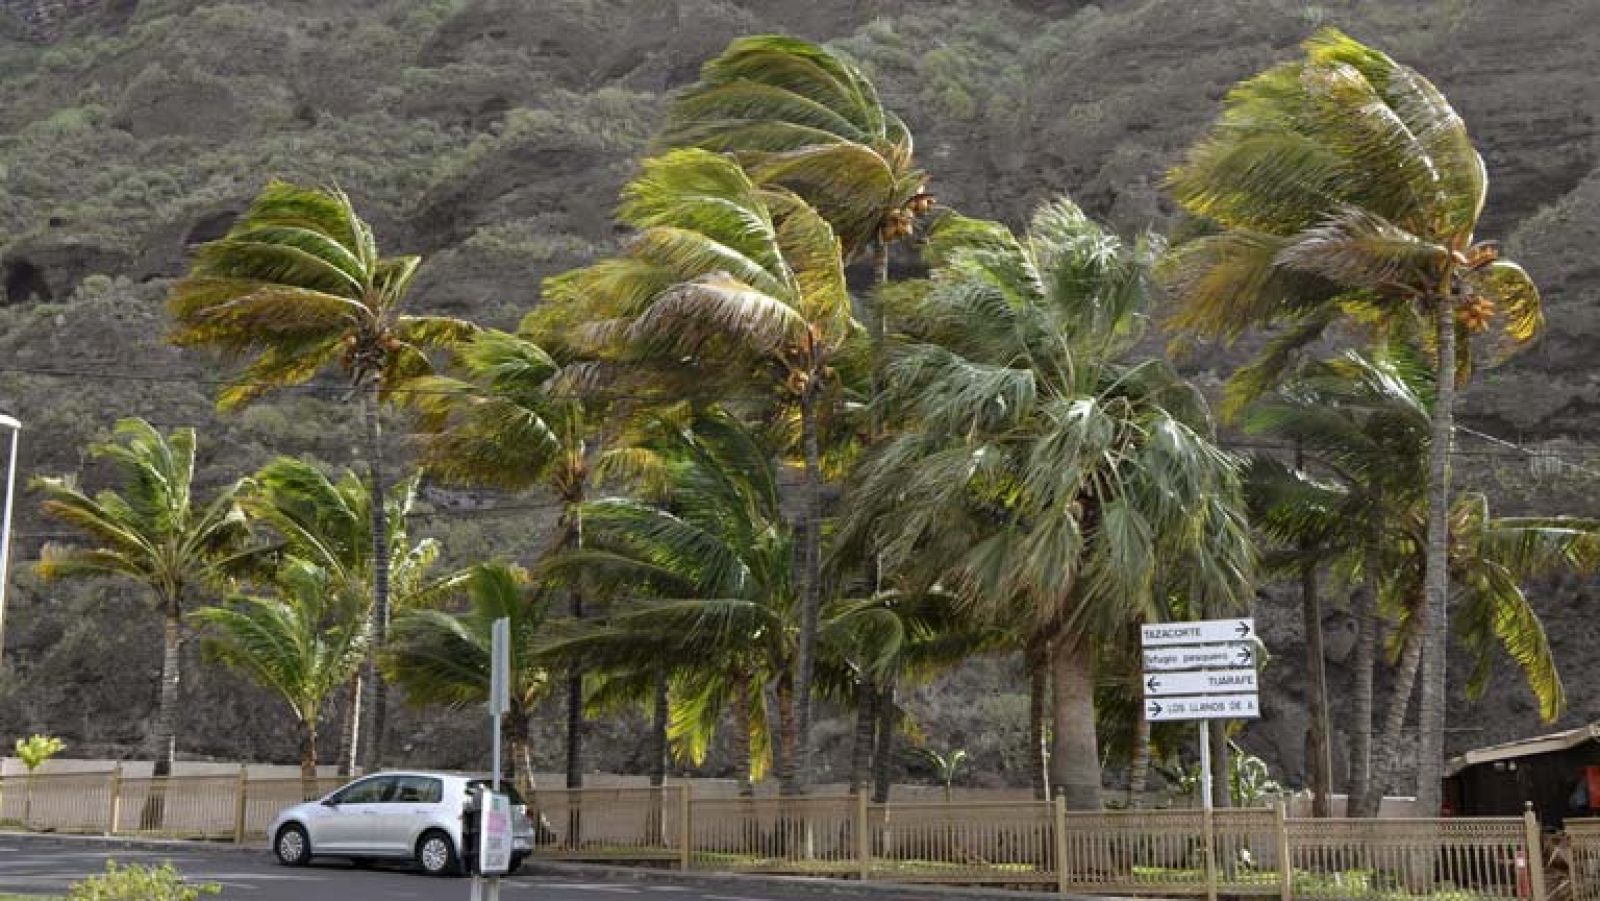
304,642
327,522
1052,477
1343,185
804,117
153,532
440,657
1365,422
297,287
498,418
729,289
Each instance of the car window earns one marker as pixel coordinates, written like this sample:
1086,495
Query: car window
417,790
368,791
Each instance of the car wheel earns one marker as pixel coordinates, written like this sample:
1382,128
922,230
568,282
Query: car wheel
292,846
437,855
516,863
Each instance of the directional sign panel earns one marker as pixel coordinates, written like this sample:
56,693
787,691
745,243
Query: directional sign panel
1205,682
1216,707
1202,656
1155,635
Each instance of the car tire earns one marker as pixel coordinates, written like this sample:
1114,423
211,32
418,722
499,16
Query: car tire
516,863
292,846
436,854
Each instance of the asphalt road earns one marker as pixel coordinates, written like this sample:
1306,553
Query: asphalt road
46,868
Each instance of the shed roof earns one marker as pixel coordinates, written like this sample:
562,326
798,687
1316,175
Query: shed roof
1525,747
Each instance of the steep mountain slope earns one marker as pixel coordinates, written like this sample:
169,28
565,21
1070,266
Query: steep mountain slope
491,135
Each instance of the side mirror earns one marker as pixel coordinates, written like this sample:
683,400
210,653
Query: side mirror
329,802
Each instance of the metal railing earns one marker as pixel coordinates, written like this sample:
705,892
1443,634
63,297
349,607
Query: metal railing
1583,859
1238,852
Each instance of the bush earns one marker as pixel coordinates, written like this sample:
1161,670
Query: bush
139,883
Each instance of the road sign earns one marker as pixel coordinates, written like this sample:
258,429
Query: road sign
1155,635
1208,656
1205,682
500,667
494,833
1212,707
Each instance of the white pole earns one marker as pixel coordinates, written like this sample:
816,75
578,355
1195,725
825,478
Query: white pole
5,525
1205,764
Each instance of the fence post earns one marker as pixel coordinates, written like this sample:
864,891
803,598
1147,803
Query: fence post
1060,831
1535,842
114,803
863,837
1209,821
239,804
1285,858
685,827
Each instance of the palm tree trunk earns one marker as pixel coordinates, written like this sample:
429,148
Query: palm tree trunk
810,596
1074,757
861,753
1139,762
1321,763
163,737
575,708
1436,585
1038,664
376,709
658,733
521,745
883,754
350,731
739,743
1389,742
308,758
787,727
1366,654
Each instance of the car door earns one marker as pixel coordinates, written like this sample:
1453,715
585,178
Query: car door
410,809
353,824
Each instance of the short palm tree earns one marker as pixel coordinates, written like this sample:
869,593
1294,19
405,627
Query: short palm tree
443,657
151,531
498,418
1052,477
304,642
297,287
1364,421
1344,186
327,522
700,569
729,289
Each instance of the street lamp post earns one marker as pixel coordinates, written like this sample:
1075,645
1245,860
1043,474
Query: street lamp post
5,523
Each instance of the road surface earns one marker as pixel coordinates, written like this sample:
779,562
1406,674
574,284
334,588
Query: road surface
46,867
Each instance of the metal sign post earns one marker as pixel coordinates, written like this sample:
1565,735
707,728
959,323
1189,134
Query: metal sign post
494,808
5,523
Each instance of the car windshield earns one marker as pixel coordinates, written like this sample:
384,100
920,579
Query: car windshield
506,788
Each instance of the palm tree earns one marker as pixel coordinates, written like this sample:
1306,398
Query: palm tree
1343,185
152,532
303,643
801,116
1052,479
326,522
297,287
440,657
701,569
728,285
1365,421
499,419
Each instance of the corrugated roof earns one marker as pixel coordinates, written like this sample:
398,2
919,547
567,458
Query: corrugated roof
1526,747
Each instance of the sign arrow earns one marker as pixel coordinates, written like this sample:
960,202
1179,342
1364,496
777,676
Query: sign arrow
1152,683
1243,628
1155,709
1245,657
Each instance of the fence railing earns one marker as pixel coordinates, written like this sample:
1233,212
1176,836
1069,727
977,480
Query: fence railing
1583,859
1239,852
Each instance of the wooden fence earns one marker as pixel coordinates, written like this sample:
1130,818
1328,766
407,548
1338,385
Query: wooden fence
1583,859
1027,844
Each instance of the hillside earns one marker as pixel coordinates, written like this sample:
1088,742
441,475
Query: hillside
492,135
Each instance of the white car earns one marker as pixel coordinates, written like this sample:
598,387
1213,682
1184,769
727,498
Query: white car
392,816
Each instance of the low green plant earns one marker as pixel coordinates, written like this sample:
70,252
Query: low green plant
140,883
34,750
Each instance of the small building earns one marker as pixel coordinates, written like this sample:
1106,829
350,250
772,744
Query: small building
1559,774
